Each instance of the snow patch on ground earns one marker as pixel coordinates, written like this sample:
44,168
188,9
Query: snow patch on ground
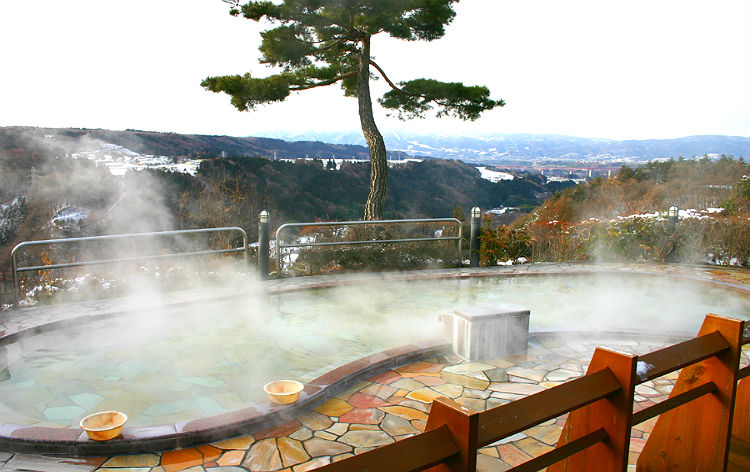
662,215
493,175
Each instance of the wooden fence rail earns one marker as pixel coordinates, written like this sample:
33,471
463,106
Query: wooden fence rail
704,425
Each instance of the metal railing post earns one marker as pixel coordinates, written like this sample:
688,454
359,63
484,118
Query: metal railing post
476,221
279,260
673,214
14,267
263,246
460,247
246,246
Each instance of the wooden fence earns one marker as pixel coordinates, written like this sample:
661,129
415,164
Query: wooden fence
707,411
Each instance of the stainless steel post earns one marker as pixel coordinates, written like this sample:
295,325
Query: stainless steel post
16,288
263,246
476,222
673,213
460,238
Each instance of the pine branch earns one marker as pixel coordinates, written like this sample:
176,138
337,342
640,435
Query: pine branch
414,98
297,88
390,83
443,102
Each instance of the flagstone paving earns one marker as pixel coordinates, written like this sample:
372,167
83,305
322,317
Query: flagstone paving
392,406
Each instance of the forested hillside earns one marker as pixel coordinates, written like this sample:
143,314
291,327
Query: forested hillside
687,183
625,217
305,189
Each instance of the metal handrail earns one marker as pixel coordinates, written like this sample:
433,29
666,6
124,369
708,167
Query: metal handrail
17,269
281,228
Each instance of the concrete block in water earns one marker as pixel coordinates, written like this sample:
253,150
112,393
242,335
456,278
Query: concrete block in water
487,331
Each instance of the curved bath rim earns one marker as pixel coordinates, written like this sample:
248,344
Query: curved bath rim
39,319
75,442
676,271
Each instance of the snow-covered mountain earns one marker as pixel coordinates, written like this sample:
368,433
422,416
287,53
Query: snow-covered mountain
505,148
489,149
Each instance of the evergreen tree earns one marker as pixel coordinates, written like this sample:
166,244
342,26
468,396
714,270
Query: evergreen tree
323,42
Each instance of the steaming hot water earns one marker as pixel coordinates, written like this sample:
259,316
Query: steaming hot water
185,363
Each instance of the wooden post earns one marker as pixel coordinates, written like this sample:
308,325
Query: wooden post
741,426
695,436
739,449
613,413
464,426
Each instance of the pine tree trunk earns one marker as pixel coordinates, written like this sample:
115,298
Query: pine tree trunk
375,143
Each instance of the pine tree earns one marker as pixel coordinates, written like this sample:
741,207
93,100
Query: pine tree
324,42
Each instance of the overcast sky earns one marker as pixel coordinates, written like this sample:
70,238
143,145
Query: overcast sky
611,69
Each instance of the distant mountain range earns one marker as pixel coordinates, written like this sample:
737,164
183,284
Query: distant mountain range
74,140
486,149
506,148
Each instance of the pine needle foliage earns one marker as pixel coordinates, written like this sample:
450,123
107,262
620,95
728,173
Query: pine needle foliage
317,43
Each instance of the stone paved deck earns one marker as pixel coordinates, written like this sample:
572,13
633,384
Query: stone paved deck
391,406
